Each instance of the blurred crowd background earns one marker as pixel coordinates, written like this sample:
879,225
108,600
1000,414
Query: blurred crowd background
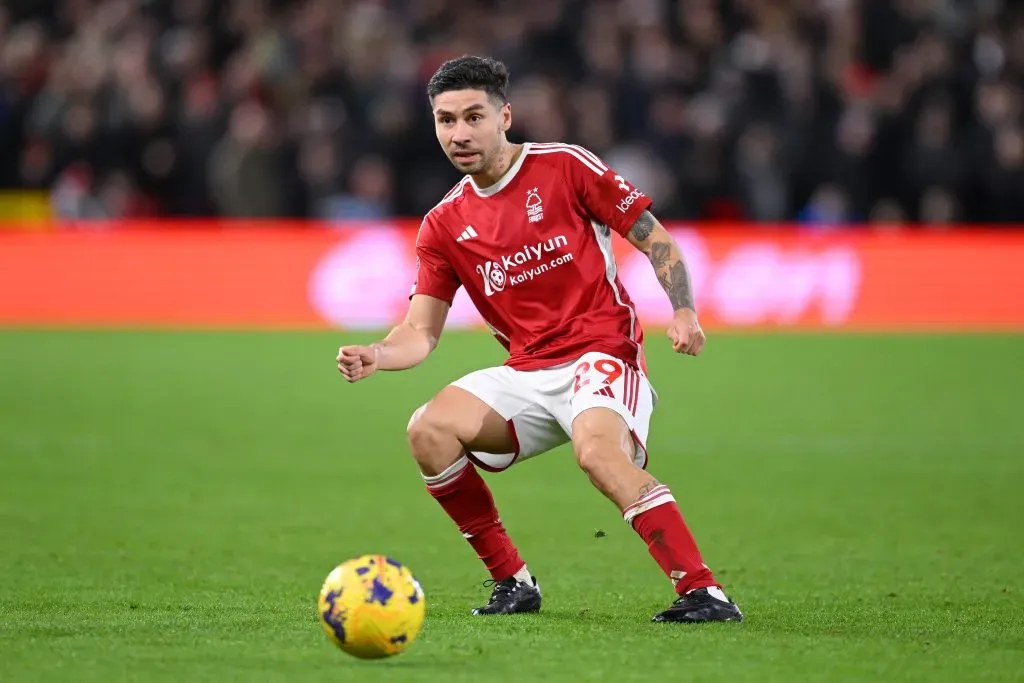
819,111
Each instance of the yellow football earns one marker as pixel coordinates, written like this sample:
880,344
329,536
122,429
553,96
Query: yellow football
371,607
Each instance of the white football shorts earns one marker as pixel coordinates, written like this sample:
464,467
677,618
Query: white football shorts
540,405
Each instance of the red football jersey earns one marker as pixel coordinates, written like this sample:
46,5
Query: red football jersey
534,252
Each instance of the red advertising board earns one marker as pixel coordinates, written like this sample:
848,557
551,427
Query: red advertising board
305,275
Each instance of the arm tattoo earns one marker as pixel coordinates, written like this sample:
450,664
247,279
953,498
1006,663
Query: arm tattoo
660,255
675,280
668,263
643,227
647,488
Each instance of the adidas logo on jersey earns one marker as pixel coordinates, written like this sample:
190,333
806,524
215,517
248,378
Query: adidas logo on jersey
467,234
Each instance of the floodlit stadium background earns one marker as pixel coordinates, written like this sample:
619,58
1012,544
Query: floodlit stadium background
876,139
201,199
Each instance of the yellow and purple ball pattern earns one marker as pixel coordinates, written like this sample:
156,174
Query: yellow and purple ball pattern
371,607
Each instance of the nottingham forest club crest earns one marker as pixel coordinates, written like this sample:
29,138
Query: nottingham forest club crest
534,205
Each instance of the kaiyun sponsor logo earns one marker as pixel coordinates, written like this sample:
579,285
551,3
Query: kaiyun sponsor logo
496,274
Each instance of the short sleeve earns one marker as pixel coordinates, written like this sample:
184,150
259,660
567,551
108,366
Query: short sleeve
434,273
607,196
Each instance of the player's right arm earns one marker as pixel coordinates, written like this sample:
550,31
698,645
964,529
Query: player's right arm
407,345
410,342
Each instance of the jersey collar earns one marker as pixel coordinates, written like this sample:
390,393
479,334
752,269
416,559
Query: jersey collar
504,180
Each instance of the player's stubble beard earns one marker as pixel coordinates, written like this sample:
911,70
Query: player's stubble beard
492,163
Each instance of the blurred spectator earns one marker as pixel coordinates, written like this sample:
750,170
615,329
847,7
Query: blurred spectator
821,111
829,207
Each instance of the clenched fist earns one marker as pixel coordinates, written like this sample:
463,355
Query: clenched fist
357,362
685,332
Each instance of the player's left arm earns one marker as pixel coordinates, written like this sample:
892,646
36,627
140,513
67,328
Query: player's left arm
613,201
649,236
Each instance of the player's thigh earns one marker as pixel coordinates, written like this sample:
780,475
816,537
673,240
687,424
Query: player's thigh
534,431
457,413
495,415
626,397
531,428
599,432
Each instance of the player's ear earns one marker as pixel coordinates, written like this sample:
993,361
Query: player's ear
506,117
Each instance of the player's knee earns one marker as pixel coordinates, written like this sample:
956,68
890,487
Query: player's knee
416,415
593,453
421,430
432,440
427,432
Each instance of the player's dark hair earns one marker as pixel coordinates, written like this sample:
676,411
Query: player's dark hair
471,73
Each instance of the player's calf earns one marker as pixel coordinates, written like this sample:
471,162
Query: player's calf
604,450
440,434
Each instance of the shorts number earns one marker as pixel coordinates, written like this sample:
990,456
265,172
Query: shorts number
611,370
581,381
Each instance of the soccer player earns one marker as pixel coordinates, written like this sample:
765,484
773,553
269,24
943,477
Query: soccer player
528,233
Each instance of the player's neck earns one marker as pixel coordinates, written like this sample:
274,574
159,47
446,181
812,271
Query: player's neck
506,159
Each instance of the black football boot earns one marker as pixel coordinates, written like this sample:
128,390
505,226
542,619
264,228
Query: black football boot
511,597
699,606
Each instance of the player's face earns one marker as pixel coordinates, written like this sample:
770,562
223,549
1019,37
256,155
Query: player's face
470,128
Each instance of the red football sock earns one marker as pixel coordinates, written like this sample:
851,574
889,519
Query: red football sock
464,495
658,521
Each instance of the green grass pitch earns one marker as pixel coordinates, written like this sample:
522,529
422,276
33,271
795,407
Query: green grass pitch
171,502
